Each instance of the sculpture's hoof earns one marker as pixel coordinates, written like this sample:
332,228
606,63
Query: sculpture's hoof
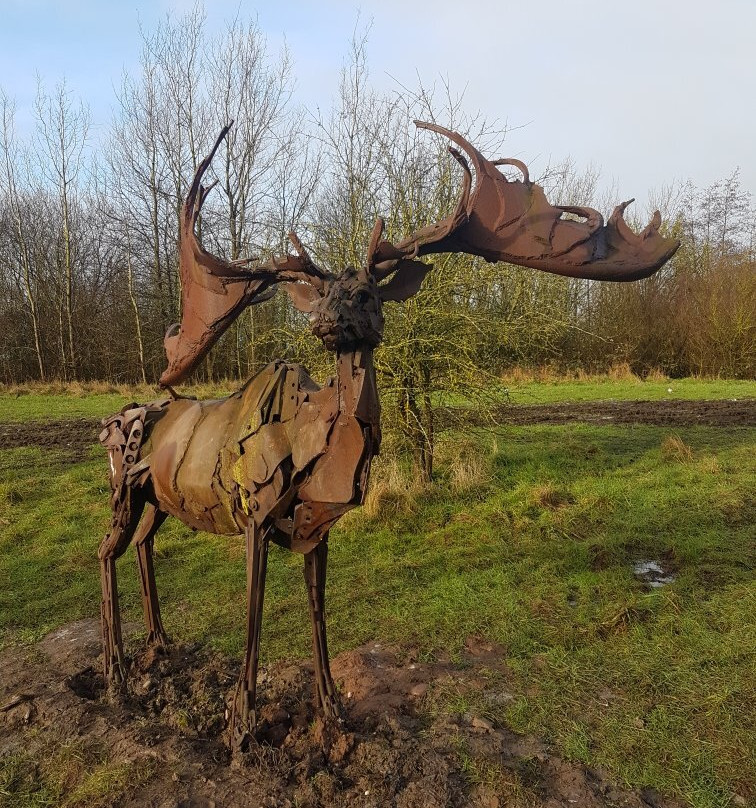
115,672
242,723
242,735
158,642
333,711
329,733
240,739
116,689
156,649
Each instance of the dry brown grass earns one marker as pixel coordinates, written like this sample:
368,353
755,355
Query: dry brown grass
547,374
620,371
551,496
74,389
137,392
393,489
462,465
656,375
709,464
466,460
544,373
673,448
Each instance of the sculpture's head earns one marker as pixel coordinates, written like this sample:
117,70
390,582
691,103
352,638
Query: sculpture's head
345,313
499,220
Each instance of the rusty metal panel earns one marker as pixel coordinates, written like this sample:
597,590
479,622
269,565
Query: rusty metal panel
335,472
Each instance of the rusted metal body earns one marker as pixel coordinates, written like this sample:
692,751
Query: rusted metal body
283,459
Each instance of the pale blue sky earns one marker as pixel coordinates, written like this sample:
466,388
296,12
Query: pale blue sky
650,91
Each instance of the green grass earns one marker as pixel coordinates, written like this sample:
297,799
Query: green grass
47,406
56,401
535,553
77,774
627,389
40,401
559,390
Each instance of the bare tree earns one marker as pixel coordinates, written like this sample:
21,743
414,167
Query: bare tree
375,161
13,165
63,128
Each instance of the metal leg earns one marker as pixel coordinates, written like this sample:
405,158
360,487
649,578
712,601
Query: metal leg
127,508
112,643
315,579
143,540
244,718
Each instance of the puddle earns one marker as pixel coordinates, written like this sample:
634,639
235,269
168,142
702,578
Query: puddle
652,573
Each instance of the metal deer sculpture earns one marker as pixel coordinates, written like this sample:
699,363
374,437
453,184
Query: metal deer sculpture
283,459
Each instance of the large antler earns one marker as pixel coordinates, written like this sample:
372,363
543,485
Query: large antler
512,221
214,291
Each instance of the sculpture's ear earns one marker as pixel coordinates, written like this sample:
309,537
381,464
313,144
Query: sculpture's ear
405,282
304,296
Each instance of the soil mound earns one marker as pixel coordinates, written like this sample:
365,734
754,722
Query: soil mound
395,747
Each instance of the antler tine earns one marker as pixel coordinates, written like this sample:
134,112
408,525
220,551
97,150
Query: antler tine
203,192
196,194
308,265
274,270
299,247
511,161
384,257
305,263
375,238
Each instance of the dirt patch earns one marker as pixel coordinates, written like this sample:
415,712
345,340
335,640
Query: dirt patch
720,413
71,438
396,747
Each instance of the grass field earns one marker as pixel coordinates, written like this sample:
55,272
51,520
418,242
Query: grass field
527,538
54,400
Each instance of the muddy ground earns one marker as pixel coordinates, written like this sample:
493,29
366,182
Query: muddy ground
679,413
70,437
75,435
392,749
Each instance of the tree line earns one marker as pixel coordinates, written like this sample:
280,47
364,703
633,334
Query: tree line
89,229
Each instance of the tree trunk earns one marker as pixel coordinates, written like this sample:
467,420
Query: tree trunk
132,297
68,271
28,290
